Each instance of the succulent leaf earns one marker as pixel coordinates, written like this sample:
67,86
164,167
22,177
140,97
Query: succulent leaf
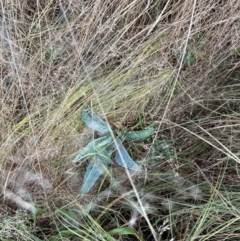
122,157
95,169
95,122
93,147
139,135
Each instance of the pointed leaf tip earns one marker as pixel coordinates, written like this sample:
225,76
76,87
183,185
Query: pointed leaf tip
95,169
93,172
123,159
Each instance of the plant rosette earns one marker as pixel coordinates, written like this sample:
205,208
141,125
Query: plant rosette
100,150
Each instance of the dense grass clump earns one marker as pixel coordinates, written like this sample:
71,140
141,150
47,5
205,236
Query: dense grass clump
171,64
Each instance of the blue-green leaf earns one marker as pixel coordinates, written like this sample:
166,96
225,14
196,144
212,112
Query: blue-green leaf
123,159
93,147
95,169
139,135
94,122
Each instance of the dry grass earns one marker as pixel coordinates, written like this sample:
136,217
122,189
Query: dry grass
172,62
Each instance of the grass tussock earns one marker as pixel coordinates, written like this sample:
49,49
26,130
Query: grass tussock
172,63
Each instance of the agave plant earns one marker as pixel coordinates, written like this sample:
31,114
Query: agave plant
100,150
